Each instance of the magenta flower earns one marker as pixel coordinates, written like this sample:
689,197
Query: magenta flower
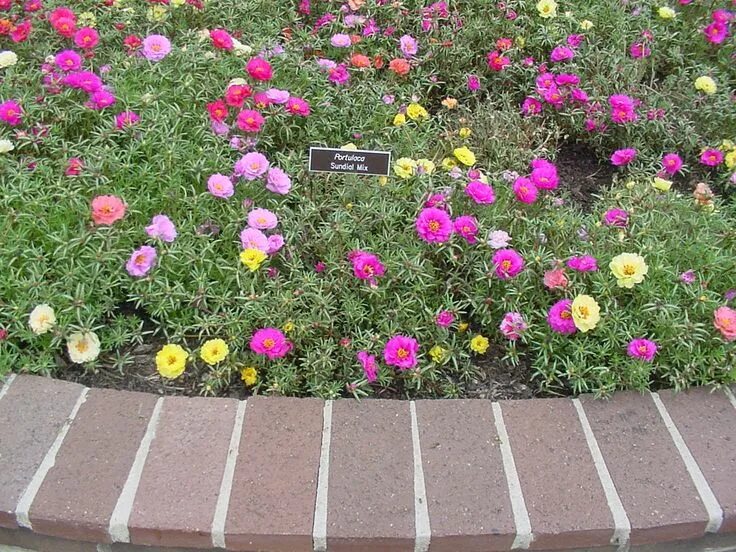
642,349
711,157
83,80
369,365
250,120
297,106
544,174
100,99
408,45
671,163
367,266
583,263
623,156
162,228
434,225
513,325
473,83
86,38
688,277
270,342
531,106
220,186
479,192
508,263
444,319
401,351
251,166
623,108
68,60
11,112
259,69
639,50
525,190
467,227
560,317
561,53
141,261
156,47
716,32
616,217
126,119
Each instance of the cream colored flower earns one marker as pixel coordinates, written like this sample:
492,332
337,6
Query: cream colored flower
7,59
6,146
42,319
83,347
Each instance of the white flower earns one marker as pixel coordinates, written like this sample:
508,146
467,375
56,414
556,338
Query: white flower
498,239
7,59
42,319
83,347
241,49
6,146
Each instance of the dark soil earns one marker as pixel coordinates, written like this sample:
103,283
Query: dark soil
582,174
500,379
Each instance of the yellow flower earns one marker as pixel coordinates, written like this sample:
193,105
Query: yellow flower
585,313
449,163
42,319
382,180
241,49
630,185
178,3
83,347
416,112
8,59
547,8
661,184
405,167
157,13
425,166
437,354
629,269
586,24
706,84
252,258
465,156
462,326
214,351
731,159
237,81
479,344
520,41
171,361
288,327
464,132
727,145
399,119
349,147
449,103
249,375
666,12
87,19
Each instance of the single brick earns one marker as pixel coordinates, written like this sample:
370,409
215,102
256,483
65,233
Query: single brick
563,493
32,413
467,494
707,422
655,488
370,494
80,492
178,489
275,480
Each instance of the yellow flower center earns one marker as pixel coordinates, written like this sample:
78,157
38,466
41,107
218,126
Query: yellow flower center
402,353
584,312
506,265
82,346
140,259
565,315
268,343
171,360
629,270
434,225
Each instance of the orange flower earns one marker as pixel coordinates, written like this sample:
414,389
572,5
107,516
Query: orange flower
354,38
378,62
399,66
6,26
359,60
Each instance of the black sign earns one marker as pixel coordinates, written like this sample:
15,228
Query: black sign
349,161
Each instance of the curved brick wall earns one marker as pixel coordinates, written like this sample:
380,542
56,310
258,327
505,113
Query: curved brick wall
99,470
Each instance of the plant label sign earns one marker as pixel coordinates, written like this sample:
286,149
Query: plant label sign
335,160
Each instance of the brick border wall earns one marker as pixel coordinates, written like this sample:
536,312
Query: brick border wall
104,471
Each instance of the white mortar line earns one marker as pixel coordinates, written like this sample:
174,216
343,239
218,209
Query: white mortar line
715,513
118,528
22,511
421,511
319,531
524,534
226,486
621,524
730,396
5,387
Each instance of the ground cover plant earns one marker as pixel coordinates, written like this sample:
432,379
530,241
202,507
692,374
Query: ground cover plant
560,210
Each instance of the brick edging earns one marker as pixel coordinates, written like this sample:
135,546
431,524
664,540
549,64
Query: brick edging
99,470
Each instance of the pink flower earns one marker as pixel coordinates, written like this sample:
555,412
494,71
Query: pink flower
339,74
513,325
126,119
623,156
341,40
277,181
544,174
622,108
279,97
525,190
434,225
688,277
74,166
497,61
220,186
555,279
583,263
408,45
435,200
259,69
251,166
716,32
560,318
724,319
252,238
467,227
86,38
270,342
162,228
639,50
366,266
68,60
100,99
11,112
369,365
274,244
221,39
141,261
107,209
671,163
250,120
444,319
479,192
156,47
473,83
297,106
236,94
508,263
711,157
616,217
561,53
642,349
575,40
83,80
498,239
531,106
263,219
401,351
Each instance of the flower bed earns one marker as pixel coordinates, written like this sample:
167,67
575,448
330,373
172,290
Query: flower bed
155,188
